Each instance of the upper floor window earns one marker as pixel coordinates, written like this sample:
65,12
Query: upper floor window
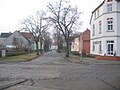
95,15
109,8
98,13
110,24
93,30
109,0
100,27
15,41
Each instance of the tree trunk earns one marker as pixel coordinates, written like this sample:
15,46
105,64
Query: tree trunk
67,47
37,48
41,48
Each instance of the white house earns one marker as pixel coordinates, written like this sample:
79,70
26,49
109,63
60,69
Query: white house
105,29
17,39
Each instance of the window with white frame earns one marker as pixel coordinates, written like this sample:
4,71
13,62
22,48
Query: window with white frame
93,30
93,46
100,27
100,46
110,24
110,47
95,15
98,12
109,7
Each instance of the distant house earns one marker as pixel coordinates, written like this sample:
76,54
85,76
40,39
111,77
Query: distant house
3,36
81,42
75,45
105,30
17,40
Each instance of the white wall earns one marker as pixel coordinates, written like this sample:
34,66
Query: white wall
118,47
9,40
113,35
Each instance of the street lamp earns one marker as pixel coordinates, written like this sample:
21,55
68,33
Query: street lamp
81,47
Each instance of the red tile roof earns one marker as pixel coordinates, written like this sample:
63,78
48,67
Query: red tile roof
27,35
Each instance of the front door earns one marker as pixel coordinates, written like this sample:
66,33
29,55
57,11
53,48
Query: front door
110,48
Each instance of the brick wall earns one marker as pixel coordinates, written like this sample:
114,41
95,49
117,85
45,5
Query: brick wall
107,57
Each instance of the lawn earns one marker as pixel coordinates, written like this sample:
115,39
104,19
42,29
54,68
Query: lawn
20,58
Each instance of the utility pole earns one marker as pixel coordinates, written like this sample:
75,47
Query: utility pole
81,48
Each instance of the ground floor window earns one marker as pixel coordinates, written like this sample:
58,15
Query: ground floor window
100,46
110,47
93,49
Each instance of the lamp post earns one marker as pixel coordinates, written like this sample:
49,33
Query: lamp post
81,48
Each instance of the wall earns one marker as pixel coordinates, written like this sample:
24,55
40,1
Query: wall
111,35
85,42
9,40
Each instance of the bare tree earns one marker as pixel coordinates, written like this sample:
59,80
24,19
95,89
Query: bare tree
47,42
57,36
64,18
36,26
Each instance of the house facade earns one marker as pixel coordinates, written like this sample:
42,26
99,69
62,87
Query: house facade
82,42
75,45
105,29
3,37
17,40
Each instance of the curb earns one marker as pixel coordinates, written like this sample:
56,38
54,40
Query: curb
8,84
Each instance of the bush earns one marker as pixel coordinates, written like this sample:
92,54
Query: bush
83,53
75,52
14,53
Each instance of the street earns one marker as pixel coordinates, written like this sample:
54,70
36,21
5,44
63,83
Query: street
53,72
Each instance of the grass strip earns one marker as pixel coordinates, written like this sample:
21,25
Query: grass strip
20,58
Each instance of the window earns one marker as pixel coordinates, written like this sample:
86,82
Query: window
110,47
93,46
95,15
109,7
110,0
100,27
15,41
98,13
110,24
100,46
93,30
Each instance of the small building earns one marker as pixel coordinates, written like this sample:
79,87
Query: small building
3,36
84,44
75,45
17,40
81,43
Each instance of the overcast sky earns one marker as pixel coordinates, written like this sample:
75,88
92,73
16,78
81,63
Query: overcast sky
13,11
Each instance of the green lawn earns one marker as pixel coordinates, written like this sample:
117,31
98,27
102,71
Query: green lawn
20,58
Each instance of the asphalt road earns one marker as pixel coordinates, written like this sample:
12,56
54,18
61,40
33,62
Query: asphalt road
52,72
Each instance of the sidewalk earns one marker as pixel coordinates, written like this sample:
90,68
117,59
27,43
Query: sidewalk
88,60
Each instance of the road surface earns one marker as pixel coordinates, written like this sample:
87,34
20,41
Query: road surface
52,72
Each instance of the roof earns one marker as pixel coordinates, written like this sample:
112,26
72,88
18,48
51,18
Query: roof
27,35
118,0
5,35
96,9
99,7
